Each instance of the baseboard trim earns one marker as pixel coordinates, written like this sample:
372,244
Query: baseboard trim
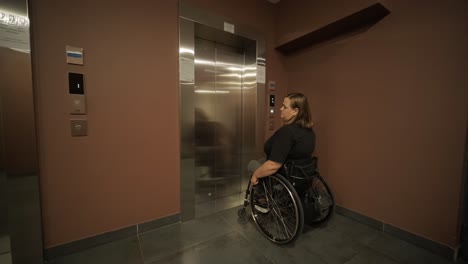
435,247
359,217
158,223
89,242
82,244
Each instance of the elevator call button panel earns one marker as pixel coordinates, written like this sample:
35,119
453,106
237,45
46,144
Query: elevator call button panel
77,96
271,110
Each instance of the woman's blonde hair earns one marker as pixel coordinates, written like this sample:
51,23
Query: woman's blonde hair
303,118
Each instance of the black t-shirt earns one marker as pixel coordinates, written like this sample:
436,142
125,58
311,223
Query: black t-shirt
290,142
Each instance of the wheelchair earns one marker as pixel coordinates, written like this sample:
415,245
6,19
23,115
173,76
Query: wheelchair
282,203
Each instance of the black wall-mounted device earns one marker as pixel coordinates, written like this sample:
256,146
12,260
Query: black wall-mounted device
75,83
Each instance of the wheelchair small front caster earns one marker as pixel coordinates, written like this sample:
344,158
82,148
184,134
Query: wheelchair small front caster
242,213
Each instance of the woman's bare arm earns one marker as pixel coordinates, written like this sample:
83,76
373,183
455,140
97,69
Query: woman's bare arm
268,168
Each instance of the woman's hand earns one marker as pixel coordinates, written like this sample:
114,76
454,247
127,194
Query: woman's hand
253,180
267,168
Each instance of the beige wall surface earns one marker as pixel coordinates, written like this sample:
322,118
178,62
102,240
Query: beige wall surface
126,171
390,107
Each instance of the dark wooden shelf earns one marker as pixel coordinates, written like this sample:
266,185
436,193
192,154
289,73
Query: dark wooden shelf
361,19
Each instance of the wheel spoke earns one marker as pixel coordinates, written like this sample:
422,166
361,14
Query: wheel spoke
275,210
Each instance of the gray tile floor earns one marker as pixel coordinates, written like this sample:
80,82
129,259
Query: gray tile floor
223,238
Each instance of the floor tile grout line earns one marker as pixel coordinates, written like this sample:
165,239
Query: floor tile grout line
273,261
230,224
249,240
369,248
394,258
185,247
364,245
254,246
159,228
247,219
180,250
139,245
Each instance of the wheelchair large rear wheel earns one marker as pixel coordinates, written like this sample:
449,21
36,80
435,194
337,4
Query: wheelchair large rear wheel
276,209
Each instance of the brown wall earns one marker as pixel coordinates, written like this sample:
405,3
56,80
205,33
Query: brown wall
126,171
390,107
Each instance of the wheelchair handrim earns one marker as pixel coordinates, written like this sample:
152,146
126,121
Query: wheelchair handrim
297,214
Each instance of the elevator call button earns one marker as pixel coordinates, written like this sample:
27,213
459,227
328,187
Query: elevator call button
77,104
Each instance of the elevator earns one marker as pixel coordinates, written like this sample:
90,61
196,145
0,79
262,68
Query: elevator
221,111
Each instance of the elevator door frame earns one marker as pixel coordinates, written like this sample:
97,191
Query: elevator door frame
21,239
193,23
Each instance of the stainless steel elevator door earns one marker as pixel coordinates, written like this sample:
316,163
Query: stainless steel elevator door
218,126
20,211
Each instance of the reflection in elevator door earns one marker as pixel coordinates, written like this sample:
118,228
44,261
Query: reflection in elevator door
218,126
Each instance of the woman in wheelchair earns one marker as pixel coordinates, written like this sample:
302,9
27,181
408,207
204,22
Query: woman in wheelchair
282,188
295,140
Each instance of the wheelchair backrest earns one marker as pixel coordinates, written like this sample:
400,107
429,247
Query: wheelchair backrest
300,169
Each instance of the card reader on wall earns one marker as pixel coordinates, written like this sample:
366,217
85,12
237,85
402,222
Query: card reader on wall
77,97
75,83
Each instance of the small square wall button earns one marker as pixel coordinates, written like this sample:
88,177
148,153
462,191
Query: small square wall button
77,104
79,127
